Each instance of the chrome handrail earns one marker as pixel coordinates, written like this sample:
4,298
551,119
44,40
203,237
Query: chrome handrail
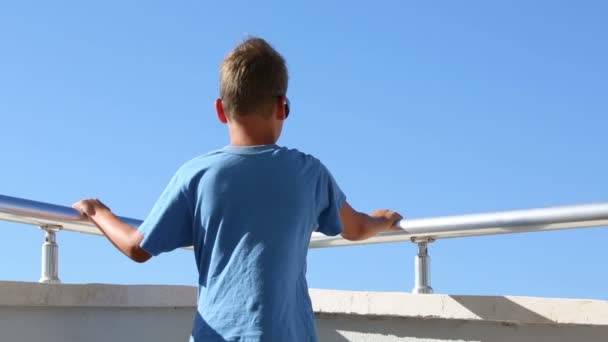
422,231
504,222
517,221
49,215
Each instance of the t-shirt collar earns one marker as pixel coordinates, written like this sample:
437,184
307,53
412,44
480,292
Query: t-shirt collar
250,149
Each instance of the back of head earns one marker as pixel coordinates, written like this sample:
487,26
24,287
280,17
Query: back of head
252,76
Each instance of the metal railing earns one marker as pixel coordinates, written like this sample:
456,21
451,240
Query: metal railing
52,218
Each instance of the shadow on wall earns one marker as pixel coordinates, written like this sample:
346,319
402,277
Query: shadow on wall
500,309
342,328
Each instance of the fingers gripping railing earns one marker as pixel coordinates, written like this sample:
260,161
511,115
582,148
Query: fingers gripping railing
52,218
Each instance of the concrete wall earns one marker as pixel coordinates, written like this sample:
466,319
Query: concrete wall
388,317
94,324
337,328
35,312
95,313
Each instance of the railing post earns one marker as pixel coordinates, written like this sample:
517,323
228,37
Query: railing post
50,257
422,265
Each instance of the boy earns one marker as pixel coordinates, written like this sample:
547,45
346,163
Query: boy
249,210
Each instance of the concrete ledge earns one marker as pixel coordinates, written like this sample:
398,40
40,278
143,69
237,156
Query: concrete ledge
520,310
96,295
100,313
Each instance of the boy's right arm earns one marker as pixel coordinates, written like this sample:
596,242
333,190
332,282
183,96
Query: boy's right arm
360,226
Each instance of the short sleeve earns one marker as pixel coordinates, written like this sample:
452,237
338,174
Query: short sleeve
169,224
330,200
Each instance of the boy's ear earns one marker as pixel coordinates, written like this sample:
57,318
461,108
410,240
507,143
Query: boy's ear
219,108
281,114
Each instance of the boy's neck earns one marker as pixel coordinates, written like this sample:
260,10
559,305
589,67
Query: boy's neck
250,135
247,141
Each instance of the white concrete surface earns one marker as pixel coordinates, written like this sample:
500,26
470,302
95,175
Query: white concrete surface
522,310
341,328
54,313
23,294
94,324
97,313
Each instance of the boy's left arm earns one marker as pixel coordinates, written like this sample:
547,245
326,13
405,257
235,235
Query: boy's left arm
122,235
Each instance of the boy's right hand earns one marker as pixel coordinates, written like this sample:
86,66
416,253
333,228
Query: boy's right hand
390,219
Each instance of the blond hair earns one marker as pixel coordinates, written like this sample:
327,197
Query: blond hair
251,77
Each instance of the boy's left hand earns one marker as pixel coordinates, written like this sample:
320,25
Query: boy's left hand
90,207
391,219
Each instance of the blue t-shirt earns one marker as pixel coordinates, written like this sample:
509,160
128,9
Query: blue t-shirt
249,212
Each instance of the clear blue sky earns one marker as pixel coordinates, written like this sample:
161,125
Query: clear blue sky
430,108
